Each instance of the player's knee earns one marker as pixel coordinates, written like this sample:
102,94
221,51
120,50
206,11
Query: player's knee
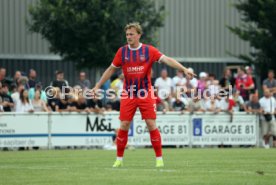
125,125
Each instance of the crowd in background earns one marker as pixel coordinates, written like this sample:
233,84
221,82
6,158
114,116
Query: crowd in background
25,93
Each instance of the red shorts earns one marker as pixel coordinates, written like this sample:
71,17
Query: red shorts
147,107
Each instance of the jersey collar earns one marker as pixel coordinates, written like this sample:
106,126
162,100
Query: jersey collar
140,45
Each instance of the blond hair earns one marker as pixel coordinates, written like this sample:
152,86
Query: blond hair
135,25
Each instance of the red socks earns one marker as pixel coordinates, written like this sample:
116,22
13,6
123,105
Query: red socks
121,142
155,139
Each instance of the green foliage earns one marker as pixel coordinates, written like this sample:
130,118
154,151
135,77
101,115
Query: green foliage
89,32
259,28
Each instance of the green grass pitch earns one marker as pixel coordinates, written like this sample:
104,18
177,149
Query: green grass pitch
182,166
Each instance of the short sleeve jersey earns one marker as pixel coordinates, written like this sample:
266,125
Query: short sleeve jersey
136,65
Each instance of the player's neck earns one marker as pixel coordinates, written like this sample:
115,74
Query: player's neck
135,46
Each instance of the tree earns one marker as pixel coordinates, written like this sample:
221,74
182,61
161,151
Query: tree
259,28
89,32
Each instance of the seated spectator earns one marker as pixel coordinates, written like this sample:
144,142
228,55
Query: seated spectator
54,100
38,104
195,105
113,104
7,101
95,105
178,105
212,104
16,95
239,102
38,86
253,106
179,80
24,105
227,104
63,104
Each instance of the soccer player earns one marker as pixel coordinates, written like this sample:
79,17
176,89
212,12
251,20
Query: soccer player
136,60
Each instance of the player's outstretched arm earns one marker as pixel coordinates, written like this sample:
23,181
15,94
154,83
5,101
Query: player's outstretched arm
175,64
106,75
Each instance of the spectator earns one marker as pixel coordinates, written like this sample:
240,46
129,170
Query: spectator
3,75
16,95
38,104
195,105
190,84
227,82
270,83
178,105
249,72
95,105
268,107
38,86
32,79
83,82
54,100
239,102
164,85
253,106
7,101
212,104
113,104
244,84
212,85
16,77
60,81
227,104
202,82
24,105
178,80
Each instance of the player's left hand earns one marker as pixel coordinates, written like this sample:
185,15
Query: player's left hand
189,73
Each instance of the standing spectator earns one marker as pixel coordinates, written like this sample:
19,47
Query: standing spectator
164,85
7,101
24,105
249,72
227,104
268,107
178,80
202,82
244,83
59,81
270,83
190,84
38,104
16,77
253,106
212,85
3,79
227,82
32,79
83,82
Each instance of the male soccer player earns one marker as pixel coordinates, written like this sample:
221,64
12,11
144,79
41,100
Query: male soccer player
136,60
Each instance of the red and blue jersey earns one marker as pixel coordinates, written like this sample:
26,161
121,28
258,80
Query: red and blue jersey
136,65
